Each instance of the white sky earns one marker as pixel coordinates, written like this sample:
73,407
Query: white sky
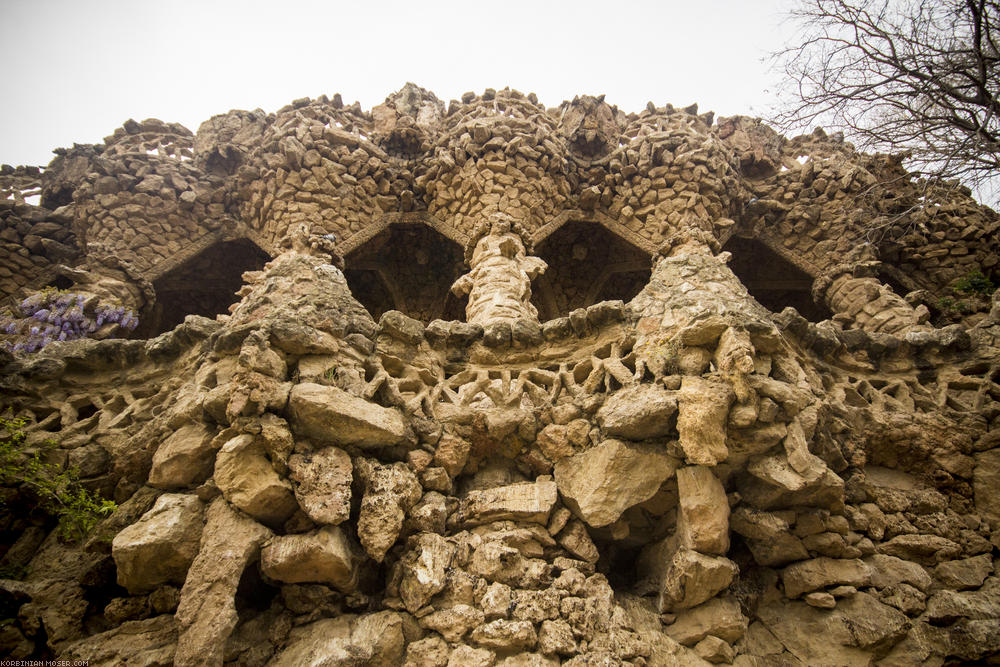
77,69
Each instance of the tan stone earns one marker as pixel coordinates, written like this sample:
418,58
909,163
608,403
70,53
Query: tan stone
524,501
160,547
719,616
325,556
638,412
323,484
703,407
810,575
692,578
588,481
331,415
247,480
183,459
703,519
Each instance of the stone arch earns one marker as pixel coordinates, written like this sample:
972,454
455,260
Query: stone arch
405,262
203,283
591,258
773,279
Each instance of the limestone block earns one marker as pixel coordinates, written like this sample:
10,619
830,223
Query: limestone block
714,650
703,519
591,482
206,614
985,482
692,578
152,641
889,571
324,556
373,639
160,546
246,478
452,453
810,575
506,635
524,501
183,459
467,656
453,623
703,406
575,539
432,651
556,638
390,492
963,574
923,549
720,617
323,484
331,415
638,412
424,569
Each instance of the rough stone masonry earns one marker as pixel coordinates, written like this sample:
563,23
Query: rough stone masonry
505,385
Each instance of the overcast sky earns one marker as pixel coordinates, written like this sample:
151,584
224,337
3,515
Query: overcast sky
77,69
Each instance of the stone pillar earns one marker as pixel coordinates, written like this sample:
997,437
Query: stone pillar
499,280
859,300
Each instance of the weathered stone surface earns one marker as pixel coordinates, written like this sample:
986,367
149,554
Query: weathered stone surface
889,571
692,578
148,642
720,617
247,479
207,614
985,481
810,575
923,549
160,547
375,639
525,501
390,491
963,574
575,539
184,458
589,481
506,635
453,623
331,415
325,556
703,406
424,570
703,517
638,412
323,484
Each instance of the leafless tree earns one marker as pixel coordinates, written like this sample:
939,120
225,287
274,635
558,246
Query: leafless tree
914,76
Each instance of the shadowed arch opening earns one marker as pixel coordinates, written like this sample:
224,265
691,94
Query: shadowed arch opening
410,267
587,264
204,285
772,280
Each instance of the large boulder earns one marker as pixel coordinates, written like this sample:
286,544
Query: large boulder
324,556
591,482
638,412
159,547
331,415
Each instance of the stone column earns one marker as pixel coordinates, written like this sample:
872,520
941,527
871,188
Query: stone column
499,280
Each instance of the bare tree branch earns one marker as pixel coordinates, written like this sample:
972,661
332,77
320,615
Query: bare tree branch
914,76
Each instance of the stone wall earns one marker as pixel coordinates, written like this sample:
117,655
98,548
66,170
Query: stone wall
537,475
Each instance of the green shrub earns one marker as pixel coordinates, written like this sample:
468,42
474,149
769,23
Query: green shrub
58,490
